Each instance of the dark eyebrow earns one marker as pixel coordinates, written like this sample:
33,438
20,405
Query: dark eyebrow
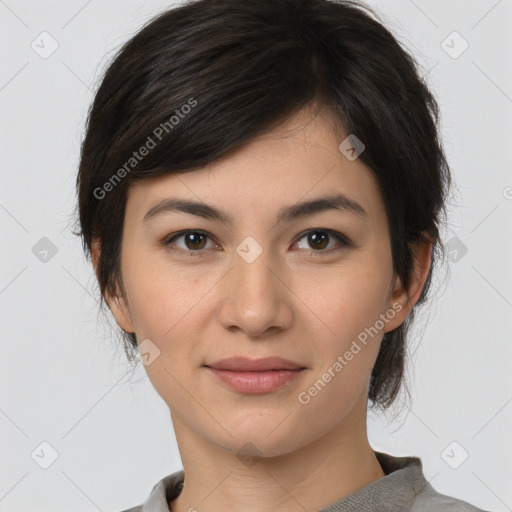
335,202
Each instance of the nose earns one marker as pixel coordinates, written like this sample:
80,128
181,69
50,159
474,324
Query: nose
254,296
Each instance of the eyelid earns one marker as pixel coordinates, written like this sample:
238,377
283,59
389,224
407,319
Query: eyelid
335,234
345,241
169,239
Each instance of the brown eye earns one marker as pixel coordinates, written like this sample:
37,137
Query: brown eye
193,241
318,239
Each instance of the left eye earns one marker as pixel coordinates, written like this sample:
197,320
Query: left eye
319,239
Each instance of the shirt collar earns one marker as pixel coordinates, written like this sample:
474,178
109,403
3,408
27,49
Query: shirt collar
395,492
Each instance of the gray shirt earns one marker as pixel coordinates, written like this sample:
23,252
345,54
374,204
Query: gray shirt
403,489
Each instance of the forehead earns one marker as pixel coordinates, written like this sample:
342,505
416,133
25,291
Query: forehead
299,160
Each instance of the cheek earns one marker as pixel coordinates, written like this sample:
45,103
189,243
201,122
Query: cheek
167,306
336,301
345,353
348,303
346,299
159,296
162,309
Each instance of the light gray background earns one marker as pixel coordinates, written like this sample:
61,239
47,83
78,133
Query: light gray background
65,382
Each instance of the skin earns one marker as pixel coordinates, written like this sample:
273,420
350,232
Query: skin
292,302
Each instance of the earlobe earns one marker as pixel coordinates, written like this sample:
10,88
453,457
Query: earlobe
422,256
116,303
121,313
397,305
403,300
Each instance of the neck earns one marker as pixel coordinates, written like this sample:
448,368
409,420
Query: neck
309,478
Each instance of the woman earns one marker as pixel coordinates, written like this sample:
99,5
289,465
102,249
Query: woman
261,188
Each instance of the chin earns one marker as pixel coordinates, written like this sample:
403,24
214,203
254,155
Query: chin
255,441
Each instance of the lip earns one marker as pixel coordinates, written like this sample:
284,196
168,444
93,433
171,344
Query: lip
245,364
256,382
252,376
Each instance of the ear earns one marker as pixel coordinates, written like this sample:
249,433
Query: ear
402,300
116,303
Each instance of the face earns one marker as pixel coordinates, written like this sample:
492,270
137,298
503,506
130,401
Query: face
306,287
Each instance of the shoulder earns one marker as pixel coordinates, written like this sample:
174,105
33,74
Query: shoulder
164,491
406,483
430,500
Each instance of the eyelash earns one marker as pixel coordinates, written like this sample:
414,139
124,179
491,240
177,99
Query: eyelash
345,242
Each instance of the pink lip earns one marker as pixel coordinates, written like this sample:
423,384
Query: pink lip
256,382
255,375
